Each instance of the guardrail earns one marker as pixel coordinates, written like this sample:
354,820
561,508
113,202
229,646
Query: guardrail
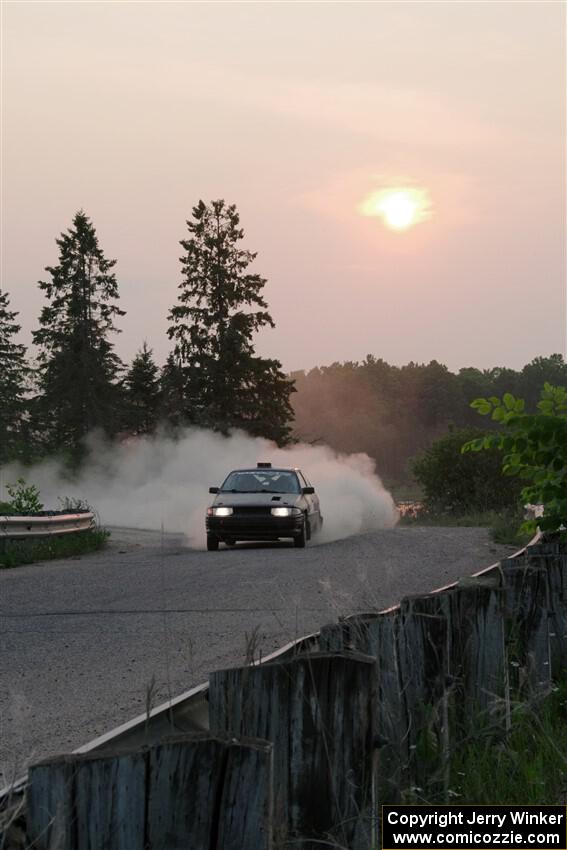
23,527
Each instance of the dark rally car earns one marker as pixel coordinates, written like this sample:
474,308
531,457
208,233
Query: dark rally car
263,504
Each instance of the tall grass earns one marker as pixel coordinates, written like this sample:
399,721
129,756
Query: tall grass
525,766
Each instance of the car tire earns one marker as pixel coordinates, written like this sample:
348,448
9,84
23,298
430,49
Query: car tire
230,542
212,543
301,539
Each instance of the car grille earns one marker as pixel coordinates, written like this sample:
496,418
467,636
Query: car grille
252,510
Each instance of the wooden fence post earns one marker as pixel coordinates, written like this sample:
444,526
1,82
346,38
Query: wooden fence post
109,799
376,635
478,664
527,629
316,709
50,815
191,791
423,657
553,559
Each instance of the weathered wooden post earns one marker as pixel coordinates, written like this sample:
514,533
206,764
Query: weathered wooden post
376,635
527,628
423,657
316,709
390,717
478,672
50,811
553,558
187,792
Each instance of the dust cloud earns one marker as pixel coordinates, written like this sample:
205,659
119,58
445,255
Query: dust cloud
153,481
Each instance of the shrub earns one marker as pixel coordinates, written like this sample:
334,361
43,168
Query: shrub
458,484
24,498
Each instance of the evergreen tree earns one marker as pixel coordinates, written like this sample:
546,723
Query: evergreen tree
219,309
14,375
78,367
142,393
173,401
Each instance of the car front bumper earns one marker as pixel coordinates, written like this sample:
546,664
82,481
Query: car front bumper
251,527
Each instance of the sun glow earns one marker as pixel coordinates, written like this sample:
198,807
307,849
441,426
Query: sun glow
400,208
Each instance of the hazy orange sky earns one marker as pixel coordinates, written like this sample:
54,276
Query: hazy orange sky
297,112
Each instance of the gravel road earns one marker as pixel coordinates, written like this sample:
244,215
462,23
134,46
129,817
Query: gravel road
83,638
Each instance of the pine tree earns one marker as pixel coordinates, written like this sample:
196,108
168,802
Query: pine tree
142,393
219,309
77,364
173,409
14,380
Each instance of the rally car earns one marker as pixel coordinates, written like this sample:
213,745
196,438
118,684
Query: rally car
263,503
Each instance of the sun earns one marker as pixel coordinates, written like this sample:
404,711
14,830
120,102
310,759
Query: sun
400,208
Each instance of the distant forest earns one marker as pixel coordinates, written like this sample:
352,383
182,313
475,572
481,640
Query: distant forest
394,412
73,383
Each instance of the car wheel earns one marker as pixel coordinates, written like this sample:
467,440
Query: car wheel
230,542
301,539
212,543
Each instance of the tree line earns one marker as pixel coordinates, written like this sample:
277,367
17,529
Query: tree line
213,378
394,413
77,383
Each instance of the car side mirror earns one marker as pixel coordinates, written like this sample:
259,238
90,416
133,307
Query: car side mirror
308,491
213,489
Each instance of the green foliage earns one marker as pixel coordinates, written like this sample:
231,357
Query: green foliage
14,380
534,447
77,366
456,483
17,553
24,499
142,403
220,307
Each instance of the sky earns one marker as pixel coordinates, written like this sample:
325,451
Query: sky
302,114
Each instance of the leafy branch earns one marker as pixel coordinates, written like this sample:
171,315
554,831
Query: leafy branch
535,450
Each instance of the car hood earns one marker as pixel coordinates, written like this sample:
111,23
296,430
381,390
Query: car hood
273,499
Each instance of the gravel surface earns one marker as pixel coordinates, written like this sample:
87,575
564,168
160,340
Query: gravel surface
83,638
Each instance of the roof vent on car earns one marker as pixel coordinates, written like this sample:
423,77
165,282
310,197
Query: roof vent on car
264,465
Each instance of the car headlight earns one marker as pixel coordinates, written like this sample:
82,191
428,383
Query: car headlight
286,511
219,511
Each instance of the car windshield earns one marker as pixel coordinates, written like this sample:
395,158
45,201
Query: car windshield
261,481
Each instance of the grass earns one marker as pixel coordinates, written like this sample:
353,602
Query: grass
527,766
504,527
17,553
